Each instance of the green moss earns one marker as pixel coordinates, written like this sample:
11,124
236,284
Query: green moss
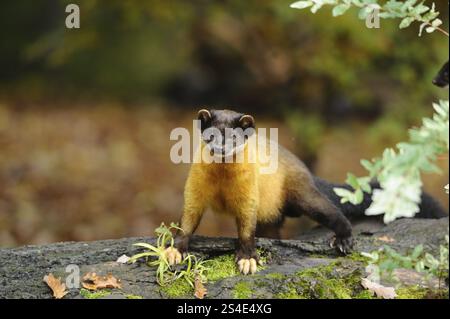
291,294
275,275
338,280
264,257
325,282
364,294
221,267
336,288
94,294
318,256
417,292
242,290
224,266
103,293
412,292
178,288
356,256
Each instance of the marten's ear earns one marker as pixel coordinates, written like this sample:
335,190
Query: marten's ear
246,121
204,115
205,118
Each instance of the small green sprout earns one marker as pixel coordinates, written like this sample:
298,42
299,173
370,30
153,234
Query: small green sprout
156,257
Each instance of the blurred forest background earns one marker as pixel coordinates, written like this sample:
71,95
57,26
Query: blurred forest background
85,114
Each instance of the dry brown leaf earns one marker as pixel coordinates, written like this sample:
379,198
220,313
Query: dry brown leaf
379,290
55,284
92,281
386,239
200,290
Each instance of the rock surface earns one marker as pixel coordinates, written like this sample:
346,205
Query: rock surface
22,269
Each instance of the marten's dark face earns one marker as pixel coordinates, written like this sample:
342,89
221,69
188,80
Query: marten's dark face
441,78
225,132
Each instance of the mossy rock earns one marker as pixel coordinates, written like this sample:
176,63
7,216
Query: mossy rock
302,268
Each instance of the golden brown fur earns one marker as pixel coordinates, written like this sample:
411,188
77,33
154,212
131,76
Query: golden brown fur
258,202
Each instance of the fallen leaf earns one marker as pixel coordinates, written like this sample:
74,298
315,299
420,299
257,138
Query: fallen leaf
379,290
55,284
200,290
386,239
92,281
123,259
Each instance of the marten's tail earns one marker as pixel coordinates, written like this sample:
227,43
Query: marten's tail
429,207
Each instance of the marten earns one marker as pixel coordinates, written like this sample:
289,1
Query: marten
441,78
260,202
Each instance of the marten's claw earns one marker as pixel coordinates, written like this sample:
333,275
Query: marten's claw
173,255
247,266
342,245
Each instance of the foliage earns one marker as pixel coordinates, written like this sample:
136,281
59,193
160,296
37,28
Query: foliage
240,53
399,172
158,253
408,11
156,257
385,261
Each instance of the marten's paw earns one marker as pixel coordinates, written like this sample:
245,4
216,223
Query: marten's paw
343,245
173,255
247,266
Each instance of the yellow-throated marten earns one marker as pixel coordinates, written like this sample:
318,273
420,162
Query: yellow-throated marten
260,202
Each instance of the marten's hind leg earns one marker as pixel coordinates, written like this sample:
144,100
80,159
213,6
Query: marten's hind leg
315,205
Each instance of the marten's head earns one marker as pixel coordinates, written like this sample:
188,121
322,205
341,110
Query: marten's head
441,79
225,132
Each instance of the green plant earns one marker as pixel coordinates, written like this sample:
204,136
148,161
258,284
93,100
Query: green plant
383,262
195,269
192,267
398,172
408,11
156,256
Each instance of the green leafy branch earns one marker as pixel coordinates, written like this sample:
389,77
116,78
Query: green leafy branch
398,172
408,11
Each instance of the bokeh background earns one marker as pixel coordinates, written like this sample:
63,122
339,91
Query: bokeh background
85,114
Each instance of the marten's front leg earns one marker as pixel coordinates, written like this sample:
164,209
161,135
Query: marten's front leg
319,208
194,206
246,255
